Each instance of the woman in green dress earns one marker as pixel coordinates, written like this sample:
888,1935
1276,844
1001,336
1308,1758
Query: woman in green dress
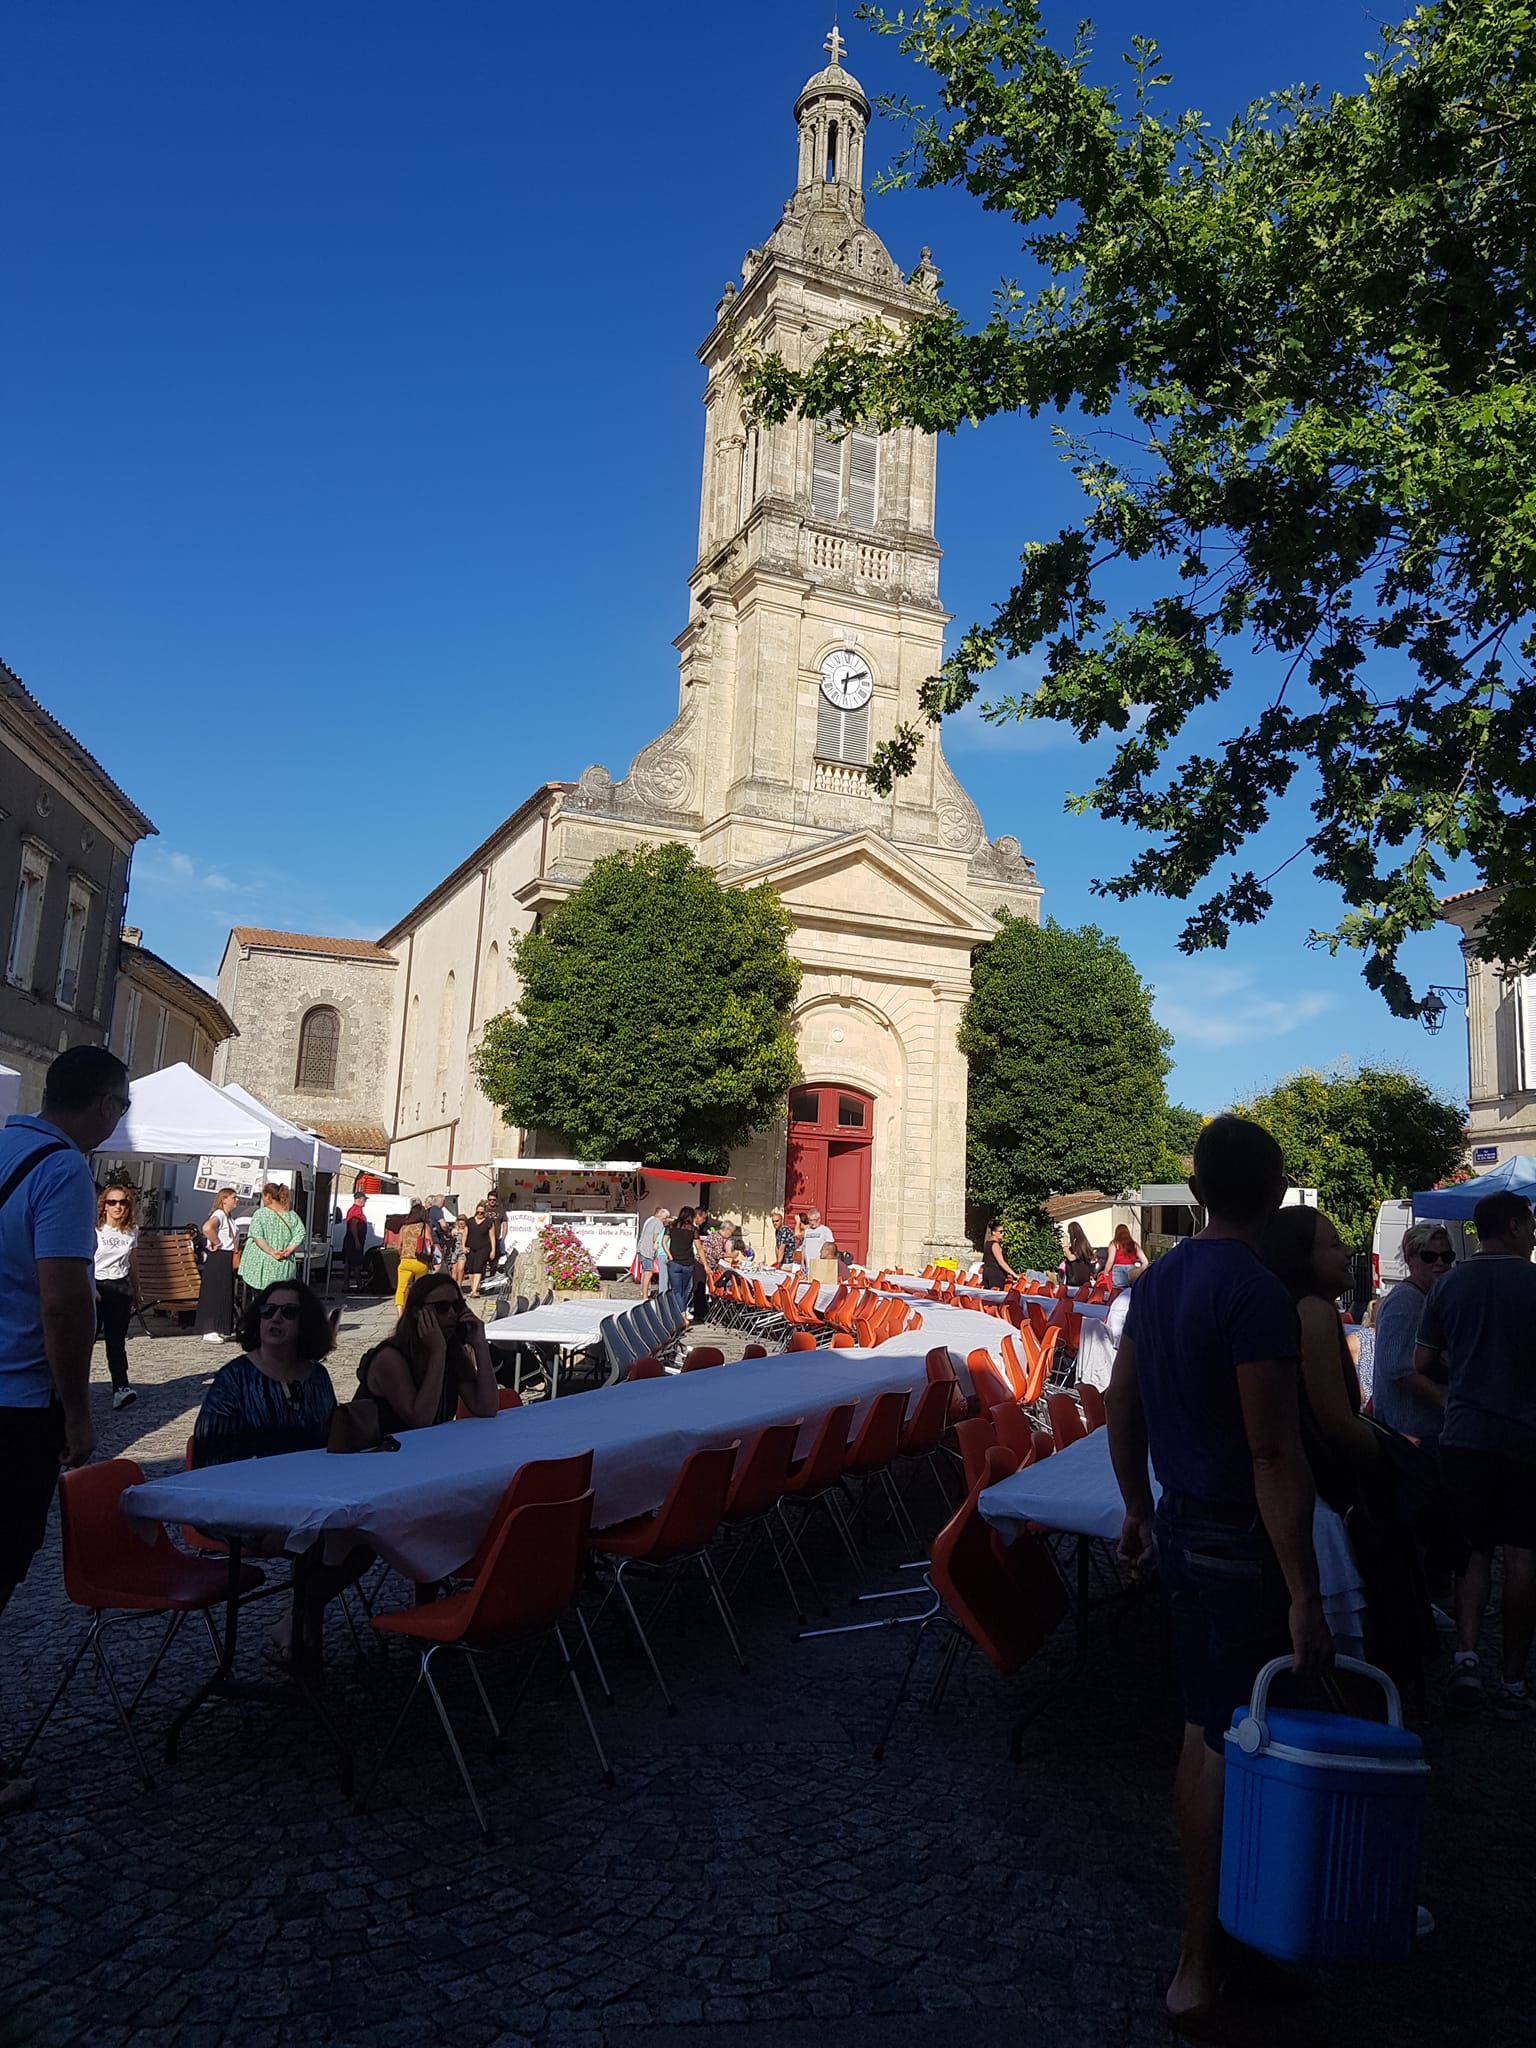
271,1249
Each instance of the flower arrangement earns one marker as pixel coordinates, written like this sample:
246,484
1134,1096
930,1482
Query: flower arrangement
569,1261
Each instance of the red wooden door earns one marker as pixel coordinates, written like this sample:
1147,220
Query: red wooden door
831,1131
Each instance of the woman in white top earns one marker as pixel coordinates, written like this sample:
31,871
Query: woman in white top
216,1289
117,1282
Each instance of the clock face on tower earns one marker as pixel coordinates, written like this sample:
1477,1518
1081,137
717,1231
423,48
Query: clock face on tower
845,680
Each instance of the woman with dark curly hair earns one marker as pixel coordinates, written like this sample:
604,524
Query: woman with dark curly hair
436,1356
277,1395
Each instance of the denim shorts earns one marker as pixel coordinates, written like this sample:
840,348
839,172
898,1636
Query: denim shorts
1228,1603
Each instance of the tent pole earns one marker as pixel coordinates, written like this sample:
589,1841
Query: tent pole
309,1206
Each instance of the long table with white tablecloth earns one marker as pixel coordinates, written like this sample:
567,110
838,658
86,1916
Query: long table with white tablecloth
1076,1492
425,1507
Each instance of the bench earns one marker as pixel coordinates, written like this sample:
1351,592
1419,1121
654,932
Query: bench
169,1278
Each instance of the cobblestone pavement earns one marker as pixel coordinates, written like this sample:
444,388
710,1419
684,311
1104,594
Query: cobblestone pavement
753,1880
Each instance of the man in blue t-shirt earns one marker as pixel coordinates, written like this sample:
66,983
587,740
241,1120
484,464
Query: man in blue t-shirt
48,1304
1206,1381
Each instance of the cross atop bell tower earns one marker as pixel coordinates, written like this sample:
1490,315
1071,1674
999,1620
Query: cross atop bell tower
832,114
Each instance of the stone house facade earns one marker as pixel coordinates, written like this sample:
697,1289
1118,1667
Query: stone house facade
159,1016
315,1041
67,834
813,620
1501,1043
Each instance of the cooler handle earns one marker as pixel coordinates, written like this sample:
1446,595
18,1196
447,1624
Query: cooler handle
1253,1735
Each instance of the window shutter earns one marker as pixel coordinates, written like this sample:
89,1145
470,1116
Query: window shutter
863,470
829,730
842,735
1525,1030
827,478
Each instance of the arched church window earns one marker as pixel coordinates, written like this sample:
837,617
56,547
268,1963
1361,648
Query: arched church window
831,151
319,1043
412,1029
445,1032
845,478
490,982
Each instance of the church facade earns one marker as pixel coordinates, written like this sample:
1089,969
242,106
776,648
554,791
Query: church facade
813,620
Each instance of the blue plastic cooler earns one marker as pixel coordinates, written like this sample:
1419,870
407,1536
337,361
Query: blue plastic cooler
1320,1839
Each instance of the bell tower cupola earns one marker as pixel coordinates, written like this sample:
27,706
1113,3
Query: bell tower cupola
832,115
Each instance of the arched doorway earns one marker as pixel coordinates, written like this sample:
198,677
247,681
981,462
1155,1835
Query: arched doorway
831,1130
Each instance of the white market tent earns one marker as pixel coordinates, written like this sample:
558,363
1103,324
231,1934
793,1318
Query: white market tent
10,1091
177,1114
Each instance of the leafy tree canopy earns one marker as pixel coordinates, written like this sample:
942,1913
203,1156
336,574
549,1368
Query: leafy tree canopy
653,1021
1361,1137
1066,1072
1297,366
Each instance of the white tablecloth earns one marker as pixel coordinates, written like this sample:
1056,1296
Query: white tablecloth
1076,1491
558,1322
425,1507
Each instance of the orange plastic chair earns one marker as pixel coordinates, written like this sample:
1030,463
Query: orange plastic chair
1005,1600
532,1575
762,1473
677,1534
923,1431
873,1452
505,1399
114,1576
802,1340
754,1351
703,1358
843,1341
987,1383
1013,1368
975,1437
814,1481
1066,1419
1093,1407
646,1369
539,1481
1011,1426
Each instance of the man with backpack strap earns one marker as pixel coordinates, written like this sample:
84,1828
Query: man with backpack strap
48,1305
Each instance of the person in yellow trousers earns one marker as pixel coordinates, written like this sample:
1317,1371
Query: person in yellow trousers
413,1264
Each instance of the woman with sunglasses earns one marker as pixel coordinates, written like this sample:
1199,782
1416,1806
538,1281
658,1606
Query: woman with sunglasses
1403,1399
277,1395
117,1282
436,1357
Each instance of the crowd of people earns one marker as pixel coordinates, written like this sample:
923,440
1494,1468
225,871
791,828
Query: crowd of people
1234,1378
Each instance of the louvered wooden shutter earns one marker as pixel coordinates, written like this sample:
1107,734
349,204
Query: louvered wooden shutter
863,465
827,478
829,730
842,735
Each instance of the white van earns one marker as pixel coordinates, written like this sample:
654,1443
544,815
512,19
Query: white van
1387,1268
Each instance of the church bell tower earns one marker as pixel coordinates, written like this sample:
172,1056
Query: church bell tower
814,613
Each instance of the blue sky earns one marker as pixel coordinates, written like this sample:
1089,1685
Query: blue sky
353,437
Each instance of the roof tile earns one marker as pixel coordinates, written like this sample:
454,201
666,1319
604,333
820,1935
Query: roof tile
310,942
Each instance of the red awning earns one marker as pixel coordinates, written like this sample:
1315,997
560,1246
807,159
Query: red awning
695,1179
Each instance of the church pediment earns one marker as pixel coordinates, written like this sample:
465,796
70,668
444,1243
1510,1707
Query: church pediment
865,881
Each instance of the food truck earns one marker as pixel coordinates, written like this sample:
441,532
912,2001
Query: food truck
598,1200
601,1201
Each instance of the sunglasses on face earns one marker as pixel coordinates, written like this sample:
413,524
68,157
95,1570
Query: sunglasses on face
114,1202
285,1311
1437,1258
